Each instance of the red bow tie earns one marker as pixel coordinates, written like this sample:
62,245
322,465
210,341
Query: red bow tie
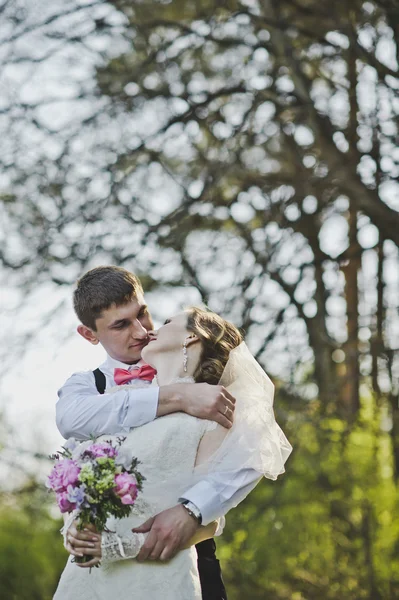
145,372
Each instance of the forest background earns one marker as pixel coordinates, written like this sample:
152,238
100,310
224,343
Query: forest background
242,154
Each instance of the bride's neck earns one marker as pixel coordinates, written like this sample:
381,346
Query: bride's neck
170,367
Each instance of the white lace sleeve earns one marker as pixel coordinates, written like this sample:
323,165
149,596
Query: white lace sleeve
68,520
115,547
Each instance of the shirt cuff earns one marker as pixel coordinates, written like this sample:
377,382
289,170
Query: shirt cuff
202,494
142,407
220,492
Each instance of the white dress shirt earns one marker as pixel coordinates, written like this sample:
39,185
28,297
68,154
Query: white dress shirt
81,412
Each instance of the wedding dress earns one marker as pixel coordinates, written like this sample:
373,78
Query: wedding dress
167,449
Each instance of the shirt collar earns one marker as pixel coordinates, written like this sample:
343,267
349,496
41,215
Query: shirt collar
111,363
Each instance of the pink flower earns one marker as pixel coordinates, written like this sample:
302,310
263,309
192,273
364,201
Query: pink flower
64,503
64,473
126,488
102,449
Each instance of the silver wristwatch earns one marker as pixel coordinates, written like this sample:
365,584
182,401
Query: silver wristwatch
193,510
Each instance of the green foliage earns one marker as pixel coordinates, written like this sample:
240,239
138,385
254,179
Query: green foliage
31,551
329,528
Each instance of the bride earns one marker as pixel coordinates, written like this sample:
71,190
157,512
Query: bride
175,451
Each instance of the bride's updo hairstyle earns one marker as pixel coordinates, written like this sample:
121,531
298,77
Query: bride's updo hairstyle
218,337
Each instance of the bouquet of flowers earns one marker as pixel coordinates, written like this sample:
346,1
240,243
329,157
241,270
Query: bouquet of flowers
95,480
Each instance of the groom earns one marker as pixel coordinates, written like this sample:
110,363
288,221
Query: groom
109,302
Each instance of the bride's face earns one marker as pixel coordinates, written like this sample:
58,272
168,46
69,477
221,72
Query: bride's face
168,338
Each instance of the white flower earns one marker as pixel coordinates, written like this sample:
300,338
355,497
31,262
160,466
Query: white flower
124,458
70,444
79,449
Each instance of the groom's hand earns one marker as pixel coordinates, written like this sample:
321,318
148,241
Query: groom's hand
168,532
201,400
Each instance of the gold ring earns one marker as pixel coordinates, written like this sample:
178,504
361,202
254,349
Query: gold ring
226,409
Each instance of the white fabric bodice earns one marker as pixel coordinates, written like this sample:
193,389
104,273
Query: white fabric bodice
167,449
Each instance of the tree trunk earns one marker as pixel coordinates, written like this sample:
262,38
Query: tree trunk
349,396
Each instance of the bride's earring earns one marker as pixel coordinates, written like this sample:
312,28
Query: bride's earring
185,356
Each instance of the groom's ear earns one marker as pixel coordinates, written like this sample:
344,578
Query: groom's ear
88,334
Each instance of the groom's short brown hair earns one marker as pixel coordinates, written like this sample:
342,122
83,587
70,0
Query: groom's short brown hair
100,288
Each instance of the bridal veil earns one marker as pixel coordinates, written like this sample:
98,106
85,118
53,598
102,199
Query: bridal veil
255,441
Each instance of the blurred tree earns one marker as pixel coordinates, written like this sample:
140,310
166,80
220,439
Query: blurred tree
31,551
278,150
265,129
329,529
248,149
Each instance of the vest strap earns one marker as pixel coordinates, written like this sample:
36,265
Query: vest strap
100,380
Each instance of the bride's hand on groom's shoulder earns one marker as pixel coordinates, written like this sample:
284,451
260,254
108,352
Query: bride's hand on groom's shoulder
212,402
168,532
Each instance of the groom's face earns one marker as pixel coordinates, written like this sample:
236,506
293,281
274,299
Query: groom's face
123,330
